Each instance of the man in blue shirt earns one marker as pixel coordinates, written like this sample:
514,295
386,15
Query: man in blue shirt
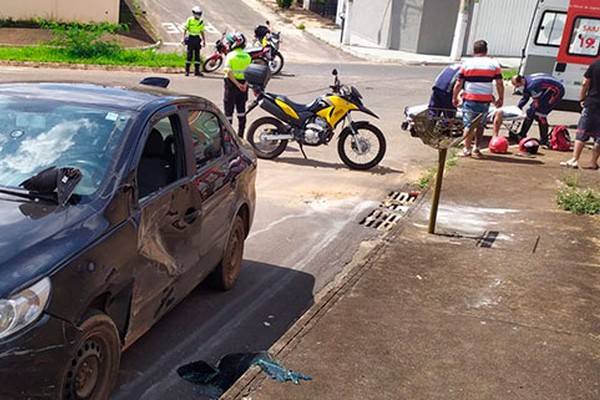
545,91
440,102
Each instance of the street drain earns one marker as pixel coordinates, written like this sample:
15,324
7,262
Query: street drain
391,210
488,239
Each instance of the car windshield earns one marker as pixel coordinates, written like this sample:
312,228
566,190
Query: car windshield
37,134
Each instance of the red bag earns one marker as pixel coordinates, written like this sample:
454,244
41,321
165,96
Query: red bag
560,140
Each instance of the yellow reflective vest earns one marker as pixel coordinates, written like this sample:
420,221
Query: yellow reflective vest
236,62
194,26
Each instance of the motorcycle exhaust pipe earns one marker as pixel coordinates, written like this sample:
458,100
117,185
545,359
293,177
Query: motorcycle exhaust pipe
288,136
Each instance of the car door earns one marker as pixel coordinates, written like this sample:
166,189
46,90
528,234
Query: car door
167,212
213,152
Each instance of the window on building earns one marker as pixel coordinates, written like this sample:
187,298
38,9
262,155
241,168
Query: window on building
550,30
585,37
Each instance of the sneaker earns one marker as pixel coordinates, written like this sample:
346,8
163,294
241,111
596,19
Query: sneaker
571,163
465,153
477,153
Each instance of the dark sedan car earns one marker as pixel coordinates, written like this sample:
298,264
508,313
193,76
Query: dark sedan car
114,204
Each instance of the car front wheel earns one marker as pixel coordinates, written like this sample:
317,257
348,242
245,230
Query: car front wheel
92,371
228,270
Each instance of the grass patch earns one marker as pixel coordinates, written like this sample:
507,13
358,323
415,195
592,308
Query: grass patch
145,58
451,161
578,200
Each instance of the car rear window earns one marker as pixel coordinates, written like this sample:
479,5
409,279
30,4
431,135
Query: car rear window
37,134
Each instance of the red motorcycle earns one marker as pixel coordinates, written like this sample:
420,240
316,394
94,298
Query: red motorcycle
215,60
268,53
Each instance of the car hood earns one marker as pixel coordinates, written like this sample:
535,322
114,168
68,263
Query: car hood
36,237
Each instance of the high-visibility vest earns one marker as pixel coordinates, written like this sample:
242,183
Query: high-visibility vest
194,26
236,62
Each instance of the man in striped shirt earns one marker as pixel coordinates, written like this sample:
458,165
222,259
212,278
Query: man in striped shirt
475,83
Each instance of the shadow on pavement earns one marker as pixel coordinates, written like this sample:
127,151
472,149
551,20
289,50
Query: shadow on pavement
300,161
207,325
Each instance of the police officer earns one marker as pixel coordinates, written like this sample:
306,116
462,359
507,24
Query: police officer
236,88
194,29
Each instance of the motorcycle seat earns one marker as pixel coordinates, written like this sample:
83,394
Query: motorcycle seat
298,107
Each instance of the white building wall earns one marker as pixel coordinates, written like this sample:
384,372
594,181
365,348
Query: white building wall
503,24
83,11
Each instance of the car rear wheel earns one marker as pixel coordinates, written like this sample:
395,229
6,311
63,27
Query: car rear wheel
92,371
228,270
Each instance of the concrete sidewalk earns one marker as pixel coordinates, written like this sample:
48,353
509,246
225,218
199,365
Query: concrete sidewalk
501,303
366,50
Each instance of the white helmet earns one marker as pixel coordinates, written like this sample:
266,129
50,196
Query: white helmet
197,11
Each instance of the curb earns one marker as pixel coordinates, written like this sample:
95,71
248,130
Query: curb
352,50
91,67
324,301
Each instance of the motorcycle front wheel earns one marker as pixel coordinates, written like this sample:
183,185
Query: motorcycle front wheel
212,64
276,64
266,148
363,150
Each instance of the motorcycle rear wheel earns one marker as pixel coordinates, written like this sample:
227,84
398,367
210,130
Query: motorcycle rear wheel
212,64
372,146
266,149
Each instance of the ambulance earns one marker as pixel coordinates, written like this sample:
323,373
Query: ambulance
563,40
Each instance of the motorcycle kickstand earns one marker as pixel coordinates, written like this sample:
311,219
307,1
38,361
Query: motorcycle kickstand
302,150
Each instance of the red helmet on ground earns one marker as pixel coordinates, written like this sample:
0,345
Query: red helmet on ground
498,144
529,145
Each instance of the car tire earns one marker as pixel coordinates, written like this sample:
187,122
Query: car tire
228,270
92,370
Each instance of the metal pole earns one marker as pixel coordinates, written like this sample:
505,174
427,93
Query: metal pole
435,201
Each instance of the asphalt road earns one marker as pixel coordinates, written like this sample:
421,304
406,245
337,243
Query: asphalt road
306,229
235,15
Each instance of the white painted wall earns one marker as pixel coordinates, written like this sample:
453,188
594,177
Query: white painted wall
503,24
83,11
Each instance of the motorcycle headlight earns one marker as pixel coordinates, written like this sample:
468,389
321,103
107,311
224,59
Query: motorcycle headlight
23,308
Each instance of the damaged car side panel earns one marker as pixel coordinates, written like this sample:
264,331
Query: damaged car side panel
145,231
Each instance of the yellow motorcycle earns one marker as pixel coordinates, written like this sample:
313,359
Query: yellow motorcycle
361,145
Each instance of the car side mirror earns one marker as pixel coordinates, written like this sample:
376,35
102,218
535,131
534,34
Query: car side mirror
155,81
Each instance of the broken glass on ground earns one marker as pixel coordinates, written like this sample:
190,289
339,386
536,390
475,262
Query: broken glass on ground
212,381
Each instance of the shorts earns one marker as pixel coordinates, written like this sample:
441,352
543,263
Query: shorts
589,125
471,110
440,103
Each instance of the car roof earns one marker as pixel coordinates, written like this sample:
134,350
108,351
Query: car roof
131,98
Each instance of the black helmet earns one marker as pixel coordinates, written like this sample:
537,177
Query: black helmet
197,11
529,145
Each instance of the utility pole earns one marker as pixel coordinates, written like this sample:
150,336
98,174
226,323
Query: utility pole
458,42
347,22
